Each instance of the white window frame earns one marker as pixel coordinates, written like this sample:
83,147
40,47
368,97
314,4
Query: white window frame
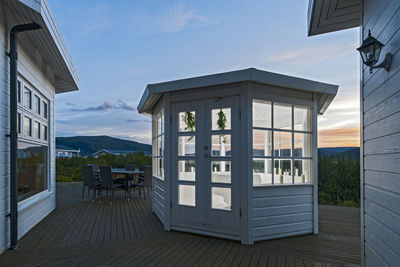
22,137
292,157
155,155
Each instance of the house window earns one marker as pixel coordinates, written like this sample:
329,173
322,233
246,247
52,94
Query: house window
44,109
32,166
282,143
19,123
33,150
37,104
158,145
27,98
36,128
27,126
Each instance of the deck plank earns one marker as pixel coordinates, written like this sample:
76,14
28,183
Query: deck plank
120,232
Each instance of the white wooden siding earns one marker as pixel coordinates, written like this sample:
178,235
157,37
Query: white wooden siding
381,139
37,72
280,211
159,199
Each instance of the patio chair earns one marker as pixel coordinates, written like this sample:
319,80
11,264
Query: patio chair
145,182
130,167
89,180
107,180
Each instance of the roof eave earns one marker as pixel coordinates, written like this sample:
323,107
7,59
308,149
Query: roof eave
40,12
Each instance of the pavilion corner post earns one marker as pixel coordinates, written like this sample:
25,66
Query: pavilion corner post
13,128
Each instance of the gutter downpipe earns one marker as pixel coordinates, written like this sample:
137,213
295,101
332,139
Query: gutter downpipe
13,128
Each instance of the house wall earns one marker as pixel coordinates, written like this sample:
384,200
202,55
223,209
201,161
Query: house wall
280,211
381,139
37,72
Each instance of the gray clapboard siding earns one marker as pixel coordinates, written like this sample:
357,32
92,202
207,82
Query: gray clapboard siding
282,211
159,199
32,70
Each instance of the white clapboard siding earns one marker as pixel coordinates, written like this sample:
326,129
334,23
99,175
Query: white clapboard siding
159,199
42,78
280,211
381,139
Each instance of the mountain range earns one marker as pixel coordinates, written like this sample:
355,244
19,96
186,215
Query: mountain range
92,144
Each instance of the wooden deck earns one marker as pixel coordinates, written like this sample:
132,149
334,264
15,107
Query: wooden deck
127,233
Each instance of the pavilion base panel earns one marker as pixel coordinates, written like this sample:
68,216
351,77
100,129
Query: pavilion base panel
282,211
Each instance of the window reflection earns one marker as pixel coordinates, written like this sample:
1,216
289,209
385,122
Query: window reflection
221,119
221,198
186,146
221,145
262,171
221,172
282,116
187,170
262,114
283,171
32,169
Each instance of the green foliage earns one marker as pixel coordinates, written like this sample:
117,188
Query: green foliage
69,170
339,180
221,122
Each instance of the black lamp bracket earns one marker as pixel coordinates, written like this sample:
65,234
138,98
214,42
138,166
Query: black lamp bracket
386,63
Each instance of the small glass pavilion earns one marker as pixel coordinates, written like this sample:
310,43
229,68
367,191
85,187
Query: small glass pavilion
235,154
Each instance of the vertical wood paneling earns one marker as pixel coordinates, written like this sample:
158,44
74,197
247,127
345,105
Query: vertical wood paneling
381,139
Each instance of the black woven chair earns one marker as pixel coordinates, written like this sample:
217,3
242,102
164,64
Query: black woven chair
90,180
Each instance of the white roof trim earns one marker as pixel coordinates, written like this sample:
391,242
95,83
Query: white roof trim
40,12
332,15
155,91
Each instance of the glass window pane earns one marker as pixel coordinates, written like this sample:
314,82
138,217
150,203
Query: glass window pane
221,145
282,116
302,145
19,91
44,109
221,119
187,121
262,143
302,171
262,171
32,170
160,146
44,132
186,146
261,114
19,123
186,170
282,171
187,195
27,98
37,129
27,126
160,123
37,104
302,118
160,167
221,198
282,144
221,172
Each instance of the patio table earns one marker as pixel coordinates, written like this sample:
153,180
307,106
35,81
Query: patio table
128,174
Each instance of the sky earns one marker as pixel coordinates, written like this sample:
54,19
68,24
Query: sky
120,46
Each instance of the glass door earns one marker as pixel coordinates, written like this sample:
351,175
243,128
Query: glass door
222,166
187,182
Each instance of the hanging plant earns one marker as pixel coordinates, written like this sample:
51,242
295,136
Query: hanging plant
190,121
221,123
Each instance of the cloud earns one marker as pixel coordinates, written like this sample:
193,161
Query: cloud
339,137
174,19
312,55
107,106
123,105
132,120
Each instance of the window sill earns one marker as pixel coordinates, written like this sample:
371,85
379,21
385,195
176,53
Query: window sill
281,185
29,202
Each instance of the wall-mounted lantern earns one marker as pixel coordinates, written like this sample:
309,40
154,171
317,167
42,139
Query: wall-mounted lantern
370,50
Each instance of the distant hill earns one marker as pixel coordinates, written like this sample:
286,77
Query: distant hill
91,144
337,151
